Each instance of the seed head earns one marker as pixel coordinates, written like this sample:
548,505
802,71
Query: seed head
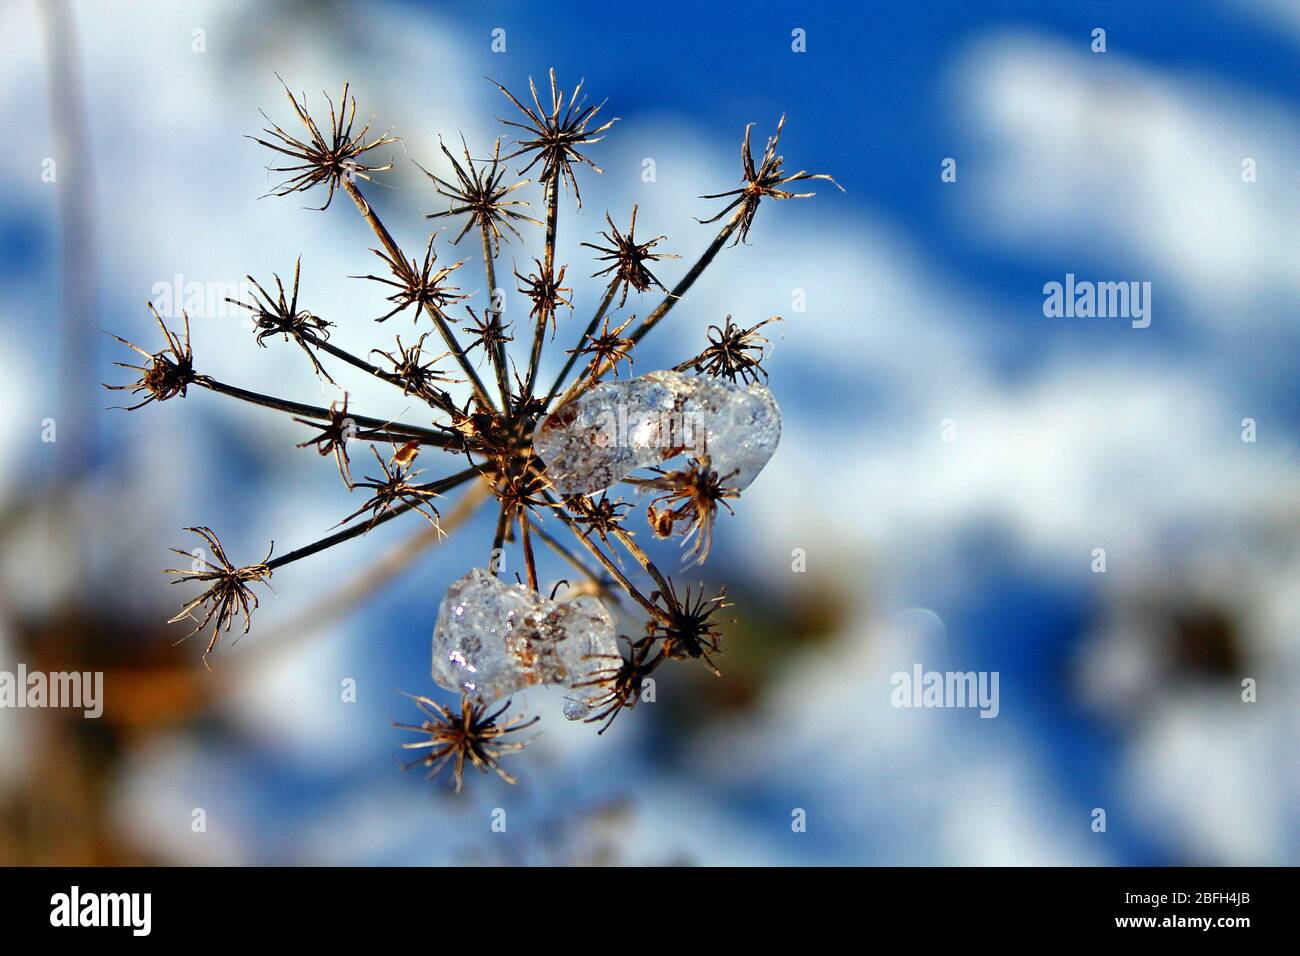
733,353
418,284
470,734
627,258
168,373
556,134
229,593
479,194
763,180
279,315
330,157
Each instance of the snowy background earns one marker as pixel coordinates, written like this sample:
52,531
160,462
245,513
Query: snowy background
1119,690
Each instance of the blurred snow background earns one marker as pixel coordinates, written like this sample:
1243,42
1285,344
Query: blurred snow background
1118,690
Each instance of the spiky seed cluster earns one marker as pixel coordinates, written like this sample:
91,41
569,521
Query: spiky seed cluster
417,284
491,433
417,376
627,258
689,503
280,315
229,593
607,347
556,134
765,179
478,194
543,288
395,487
330,159
471,735
169,371
733,352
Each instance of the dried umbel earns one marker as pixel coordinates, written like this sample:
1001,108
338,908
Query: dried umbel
496,436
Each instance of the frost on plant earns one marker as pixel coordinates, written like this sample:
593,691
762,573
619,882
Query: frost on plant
556,457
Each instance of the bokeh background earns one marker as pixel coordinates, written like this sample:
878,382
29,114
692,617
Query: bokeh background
1119,690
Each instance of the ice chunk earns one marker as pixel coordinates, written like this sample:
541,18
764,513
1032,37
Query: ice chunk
493,639
618,427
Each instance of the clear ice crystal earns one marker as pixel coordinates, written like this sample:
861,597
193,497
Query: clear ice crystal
493,639
617,427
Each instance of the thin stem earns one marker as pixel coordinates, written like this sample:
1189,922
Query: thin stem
552,219
439,320
650,321
591,328
602,584
498,355
347,534
530,562
498,542
381,429
379,373
612,568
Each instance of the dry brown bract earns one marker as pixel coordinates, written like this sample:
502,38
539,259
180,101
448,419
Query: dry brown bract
687,628
472,735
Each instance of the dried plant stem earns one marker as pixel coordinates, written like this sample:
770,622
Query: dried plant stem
498,352
601,584
650,607
530,562
439,320
339,603
650,321
377,428
347,534
643,559
498,541
591,328
379,373
548,262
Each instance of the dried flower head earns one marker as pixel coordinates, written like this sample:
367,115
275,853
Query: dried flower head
687,628
280,315
607,347
733,353
334,159
335,433
544,290
472,734
395,487
229,593
766,179
417,283
478,192
618,684
556,134
169,371
690,499
489,435
489,332
627,258
417,376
